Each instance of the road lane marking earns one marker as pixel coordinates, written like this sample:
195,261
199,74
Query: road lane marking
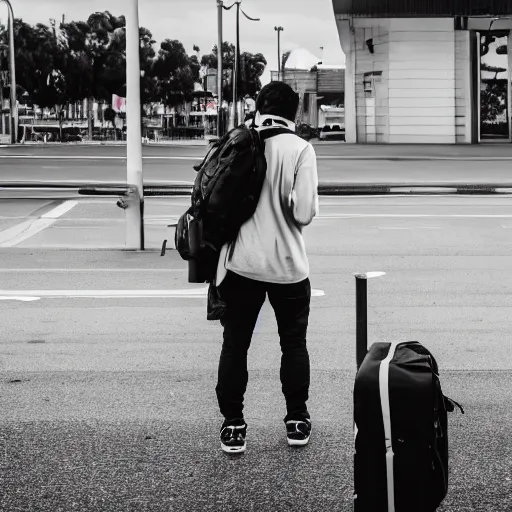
89,270
21,299
60,210
411,228
191,293
413,215
36,183
17,234
78,157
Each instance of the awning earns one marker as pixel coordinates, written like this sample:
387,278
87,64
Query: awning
421,8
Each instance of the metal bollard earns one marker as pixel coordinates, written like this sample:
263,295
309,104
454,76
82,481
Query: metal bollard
362,314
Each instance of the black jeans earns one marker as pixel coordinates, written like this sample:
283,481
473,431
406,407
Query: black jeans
291,304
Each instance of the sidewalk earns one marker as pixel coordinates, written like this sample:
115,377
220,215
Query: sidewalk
177,142
343,150
417,151
148,441
109,404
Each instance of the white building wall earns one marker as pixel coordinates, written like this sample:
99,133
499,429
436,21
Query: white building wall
463,89
423,95
422,105
372,104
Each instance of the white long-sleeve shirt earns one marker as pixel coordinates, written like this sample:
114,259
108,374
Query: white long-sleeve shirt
270,246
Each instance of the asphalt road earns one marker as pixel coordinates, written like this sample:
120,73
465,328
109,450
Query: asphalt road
337,163
109,365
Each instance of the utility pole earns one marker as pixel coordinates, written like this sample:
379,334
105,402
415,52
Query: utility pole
220,4
135,206
12,66
279,30
236,74
237,66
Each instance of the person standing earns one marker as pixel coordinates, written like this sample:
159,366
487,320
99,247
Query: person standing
268,258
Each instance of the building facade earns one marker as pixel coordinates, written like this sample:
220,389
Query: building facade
426,72
317,87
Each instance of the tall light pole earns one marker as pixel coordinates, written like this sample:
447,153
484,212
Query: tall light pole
135,208
236,73
12,65
220,5
279,30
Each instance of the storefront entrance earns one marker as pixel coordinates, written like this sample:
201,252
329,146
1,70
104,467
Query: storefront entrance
494,86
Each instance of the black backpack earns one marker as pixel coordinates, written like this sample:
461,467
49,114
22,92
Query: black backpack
225,194
401,441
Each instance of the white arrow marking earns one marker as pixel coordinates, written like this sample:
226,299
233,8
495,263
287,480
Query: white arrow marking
17,234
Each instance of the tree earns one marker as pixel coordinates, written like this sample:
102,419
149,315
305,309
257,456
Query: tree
493,100
175,72
488,38
252,67
97,57
492,69
284,59
228,57
40,64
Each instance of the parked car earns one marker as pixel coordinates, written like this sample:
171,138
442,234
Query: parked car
332,131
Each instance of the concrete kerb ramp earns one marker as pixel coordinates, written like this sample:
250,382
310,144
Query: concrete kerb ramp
40,190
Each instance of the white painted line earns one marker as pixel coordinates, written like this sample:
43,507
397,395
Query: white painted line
411,215
103,182
17,234
22,299
90,270
423,158
191,293
10,233
414,228
107,294
92,157
60,210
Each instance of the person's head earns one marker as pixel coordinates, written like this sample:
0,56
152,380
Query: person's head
278,99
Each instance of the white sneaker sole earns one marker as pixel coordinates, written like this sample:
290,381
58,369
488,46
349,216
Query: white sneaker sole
298,442
229,449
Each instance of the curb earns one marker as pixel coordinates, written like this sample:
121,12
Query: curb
107,144
38,189
416,189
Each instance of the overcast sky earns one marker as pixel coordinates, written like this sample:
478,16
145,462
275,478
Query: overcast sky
307,23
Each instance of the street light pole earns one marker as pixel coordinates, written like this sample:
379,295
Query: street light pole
237,66
279,30
219,69
236,73
135,206
12,65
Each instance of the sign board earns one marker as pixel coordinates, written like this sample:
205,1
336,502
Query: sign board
118,104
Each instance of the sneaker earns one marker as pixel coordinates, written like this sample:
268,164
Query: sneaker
232,436
298,432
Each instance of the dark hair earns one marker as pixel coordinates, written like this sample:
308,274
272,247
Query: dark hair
278,99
